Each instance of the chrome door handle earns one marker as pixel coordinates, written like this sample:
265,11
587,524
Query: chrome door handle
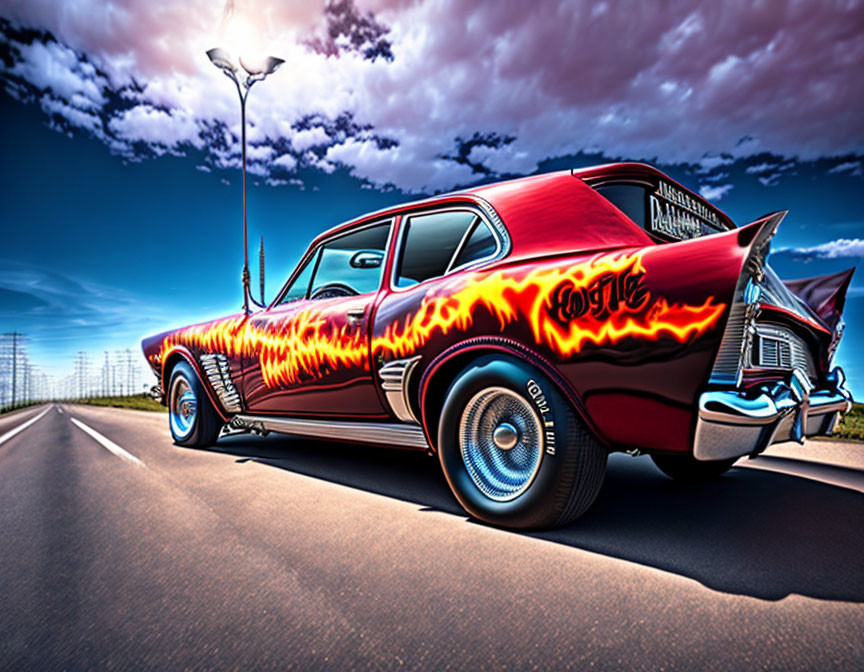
356,314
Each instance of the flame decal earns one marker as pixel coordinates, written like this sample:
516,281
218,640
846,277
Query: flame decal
307,343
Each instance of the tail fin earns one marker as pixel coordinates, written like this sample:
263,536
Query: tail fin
825,294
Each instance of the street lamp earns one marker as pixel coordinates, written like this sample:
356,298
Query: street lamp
254,72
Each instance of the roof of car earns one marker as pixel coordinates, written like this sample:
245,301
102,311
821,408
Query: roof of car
551,212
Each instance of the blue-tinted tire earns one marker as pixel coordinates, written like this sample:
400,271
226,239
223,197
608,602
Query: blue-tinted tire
513,450
191,416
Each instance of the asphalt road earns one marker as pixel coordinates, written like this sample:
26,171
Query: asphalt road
282,553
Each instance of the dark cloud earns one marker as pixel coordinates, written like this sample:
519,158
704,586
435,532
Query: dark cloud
349,29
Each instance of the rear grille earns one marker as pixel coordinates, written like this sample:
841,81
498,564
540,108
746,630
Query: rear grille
769,353
780,348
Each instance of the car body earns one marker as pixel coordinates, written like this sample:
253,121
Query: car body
613,293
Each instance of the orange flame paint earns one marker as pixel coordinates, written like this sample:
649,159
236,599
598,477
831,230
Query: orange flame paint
308,341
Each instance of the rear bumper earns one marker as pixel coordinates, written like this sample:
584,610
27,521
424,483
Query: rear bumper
735,422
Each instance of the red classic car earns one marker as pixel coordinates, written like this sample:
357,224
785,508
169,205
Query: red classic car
522,331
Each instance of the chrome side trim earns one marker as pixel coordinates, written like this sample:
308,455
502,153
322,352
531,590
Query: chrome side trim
218,372
395,377
733,422
386,434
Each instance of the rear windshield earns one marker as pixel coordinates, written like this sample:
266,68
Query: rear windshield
664,211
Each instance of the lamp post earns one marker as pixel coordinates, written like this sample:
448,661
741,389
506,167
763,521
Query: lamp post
253,73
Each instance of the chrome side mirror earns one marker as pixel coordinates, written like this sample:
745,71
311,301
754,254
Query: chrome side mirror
367,259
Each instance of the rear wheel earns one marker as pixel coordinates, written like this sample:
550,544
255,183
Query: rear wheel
688,468
191,416
513,450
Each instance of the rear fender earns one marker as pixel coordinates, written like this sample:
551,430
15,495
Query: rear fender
655,383
441,372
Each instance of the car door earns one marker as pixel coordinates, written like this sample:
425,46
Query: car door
310,352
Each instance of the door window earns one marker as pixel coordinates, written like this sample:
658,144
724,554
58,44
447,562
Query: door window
299,289
350,264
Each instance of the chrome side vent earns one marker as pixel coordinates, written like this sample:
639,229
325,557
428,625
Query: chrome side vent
395,377
218,372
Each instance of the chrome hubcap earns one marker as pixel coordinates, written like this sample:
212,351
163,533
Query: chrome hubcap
183,407
501,440
505,436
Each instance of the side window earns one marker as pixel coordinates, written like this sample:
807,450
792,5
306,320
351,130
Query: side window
350,264
481,243
300,287
439,242
631,199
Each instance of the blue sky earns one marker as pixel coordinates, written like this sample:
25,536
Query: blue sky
121,193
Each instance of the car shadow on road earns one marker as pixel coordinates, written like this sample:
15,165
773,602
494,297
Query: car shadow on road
752,532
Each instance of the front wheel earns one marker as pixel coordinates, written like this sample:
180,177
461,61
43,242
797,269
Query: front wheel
513,450
193,420
688,468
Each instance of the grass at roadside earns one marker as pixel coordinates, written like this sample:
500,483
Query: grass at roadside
851,425
18,407
138,402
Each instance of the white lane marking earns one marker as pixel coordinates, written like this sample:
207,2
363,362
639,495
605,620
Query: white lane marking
108,443
59,410
20,428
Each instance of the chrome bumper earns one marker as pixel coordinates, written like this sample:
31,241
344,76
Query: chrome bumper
733,422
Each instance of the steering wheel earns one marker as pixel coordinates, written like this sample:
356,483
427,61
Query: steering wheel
333,290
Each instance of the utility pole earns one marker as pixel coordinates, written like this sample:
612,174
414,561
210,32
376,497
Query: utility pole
14,363
81,373
129,372
106,368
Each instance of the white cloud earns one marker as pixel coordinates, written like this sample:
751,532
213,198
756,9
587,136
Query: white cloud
852,167
394,166
836,249
312,137
761,168
59,70
714,192
503,160
698,82
73,115
286,161
708,164
261,153
157,127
